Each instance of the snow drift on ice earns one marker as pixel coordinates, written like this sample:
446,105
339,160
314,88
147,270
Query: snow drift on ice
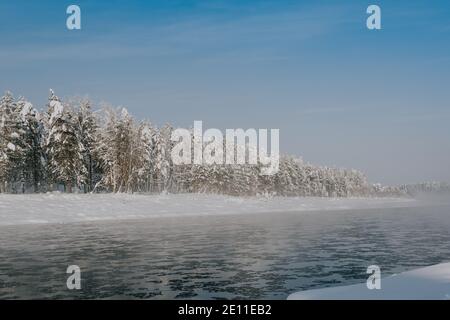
420,284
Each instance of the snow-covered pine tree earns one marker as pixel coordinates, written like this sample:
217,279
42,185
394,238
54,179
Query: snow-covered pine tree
87,134
4,102
64,151
13,146
32,141
6,105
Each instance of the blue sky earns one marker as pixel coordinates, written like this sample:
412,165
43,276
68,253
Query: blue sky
342,95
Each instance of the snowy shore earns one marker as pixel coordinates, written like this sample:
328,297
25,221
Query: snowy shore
425,283
66,208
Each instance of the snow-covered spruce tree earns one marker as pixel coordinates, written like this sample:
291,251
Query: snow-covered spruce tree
33,163
87,135
64,151
12,134
6,104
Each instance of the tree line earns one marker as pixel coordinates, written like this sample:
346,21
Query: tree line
72,148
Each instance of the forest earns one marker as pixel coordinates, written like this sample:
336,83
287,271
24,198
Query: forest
70,147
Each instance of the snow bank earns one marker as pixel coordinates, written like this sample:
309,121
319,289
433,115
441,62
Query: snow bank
430,283
66,208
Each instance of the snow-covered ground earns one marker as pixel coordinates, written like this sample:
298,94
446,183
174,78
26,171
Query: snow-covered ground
66,208
421,284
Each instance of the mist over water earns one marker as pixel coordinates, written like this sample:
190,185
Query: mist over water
220,257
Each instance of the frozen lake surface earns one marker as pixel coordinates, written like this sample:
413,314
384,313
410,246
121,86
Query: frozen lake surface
268,255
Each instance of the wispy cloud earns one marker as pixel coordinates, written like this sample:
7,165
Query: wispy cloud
256,35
